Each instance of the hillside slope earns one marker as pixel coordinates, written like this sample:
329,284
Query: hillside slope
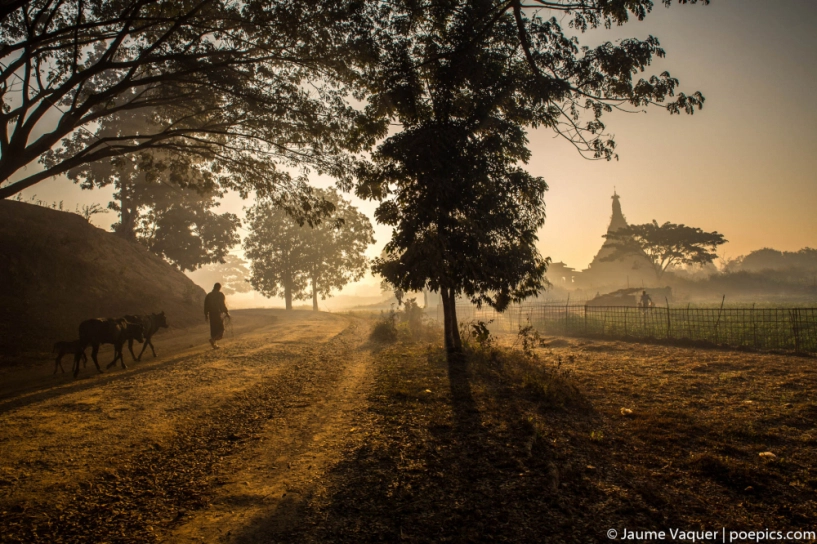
56,270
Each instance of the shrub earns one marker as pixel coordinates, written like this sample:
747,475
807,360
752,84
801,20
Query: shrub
477,331
409,325
385,330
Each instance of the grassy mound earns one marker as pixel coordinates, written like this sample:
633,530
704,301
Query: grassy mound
59,270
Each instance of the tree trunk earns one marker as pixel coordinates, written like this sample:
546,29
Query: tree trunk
314,295
453,343
127,214
127,223
455,329
446,320
288,291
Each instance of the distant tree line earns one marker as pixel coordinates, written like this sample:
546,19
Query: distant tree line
232,274
767,259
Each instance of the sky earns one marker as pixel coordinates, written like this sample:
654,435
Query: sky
745,165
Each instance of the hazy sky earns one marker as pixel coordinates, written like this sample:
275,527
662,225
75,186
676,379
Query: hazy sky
746,165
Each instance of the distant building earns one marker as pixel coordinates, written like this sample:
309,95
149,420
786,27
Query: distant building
604,275
561,275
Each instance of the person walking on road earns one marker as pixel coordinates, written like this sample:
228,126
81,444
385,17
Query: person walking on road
214,306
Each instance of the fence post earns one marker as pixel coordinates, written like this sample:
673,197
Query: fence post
567,304
754,328
719,318
566,319
669,327
689,323
792,316
585,319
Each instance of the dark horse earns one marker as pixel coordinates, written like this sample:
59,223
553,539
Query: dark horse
94,332
150,326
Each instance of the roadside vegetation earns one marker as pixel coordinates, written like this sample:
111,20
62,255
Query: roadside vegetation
408,324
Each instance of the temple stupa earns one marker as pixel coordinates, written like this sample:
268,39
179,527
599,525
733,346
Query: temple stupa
630,271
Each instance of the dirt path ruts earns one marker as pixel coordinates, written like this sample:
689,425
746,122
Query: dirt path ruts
232,427
267,485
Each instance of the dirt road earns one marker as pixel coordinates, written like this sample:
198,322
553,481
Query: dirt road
299,431
194,445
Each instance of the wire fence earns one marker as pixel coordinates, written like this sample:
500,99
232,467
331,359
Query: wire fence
793,329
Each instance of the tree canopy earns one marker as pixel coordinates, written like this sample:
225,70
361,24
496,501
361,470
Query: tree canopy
181,226
166,205
240,85
301,261
665,245
559,84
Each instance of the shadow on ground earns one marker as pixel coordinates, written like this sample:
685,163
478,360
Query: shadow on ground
446,456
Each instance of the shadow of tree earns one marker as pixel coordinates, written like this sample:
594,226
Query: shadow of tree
433,468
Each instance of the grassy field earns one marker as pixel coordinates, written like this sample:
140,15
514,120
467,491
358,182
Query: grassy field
570,440
768,329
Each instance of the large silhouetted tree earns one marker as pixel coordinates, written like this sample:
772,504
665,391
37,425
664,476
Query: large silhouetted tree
167,204
238,84
464,217
299,261
464,79
665,245
181,226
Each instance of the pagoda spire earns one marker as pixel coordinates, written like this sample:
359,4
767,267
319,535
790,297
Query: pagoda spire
603,270
617,221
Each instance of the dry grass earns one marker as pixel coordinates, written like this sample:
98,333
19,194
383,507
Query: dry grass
695,425
572,439
556,442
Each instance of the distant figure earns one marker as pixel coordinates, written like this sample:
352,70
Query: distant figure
645,301
214,306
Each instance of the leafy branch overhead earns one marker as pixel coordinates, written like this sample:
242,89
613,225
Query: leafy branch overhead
665,245
559,83
256,87
237,84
